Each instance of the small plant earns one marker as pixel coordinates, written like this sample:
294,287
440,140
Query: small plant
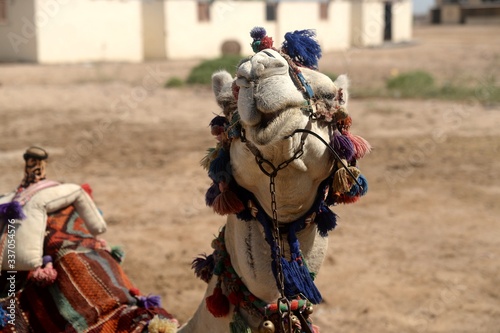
174,82
412,84
202,74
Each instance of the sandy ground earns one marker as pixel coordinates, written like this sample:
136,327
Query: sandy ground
420,253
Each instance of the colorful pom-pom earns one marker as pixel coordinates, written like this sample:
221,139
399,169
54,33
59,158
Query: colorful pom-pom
150,301
303,48
212,193
227,202
361,146
162,325
258,33
203,267
326,220
342,145
218,303
45,275
12,211
118,253
86,187
134,292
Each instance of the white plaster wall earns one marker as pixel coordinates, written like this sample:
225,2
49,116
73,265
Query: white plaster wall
402,21
188,38
18,36
335,34
83,30
153,28
367,23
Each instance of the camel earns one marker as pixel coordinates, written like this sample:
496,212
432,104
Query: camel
280,161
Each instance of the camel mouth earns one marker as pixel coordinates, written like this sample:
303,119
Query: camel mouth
275,126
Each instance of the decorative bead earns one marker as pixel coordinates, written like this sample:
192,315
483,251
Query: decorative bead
267,326
308,311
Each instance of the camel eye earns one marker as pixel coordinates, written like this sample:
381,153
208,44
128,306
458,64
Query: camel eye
328,96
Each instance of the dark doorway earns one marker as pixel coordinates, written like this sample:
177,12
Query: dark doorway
388,21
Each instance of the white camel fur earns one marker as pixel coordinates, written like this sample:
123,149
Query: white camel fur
269,105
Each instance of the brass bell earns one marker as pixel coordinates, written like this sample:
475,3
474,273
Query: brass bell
308,311
267,326
295,321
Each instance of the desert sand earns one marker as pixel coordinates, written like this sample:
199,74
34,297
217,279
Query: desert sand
419,253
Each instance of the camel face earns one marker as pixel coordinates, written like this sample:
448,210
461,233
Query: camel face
271,107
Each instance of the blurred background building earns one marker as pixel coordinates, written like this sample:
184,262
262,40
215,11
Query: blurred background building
466,12
62,31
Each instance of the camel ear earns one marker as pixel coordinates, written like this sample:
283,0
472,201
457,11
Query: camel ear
342,82
219,80
222,83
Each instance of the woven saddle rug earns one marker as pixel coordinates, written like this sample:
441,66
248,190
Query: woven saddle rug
91,293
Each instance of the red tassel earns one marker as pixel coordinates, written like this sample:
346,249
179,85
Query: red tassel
134,292
345,199
227,203
86,187
234,298
218,303
361,146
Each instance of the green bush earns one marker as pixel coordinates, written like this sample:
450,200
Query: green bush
174,82
202,74
412,84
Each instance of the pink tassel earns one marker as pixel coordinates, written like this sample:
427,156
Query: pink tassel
227,203
315,329
361,146
45,276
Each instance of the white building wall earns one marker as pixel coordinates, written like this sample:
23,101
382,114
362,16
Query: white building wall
83,30
186,37
367,23
402,21
18,36
153,29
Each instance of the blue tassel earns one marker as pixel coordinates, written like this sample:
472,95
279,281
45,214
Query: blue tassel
298,280
12,210
342,145
356,191
326,220
3,317
219,169
303,48
212,192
